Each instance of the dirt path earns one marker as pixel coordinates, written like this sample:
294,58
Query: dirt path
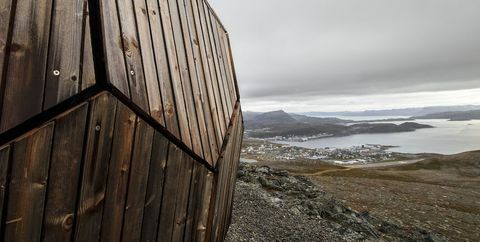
373,165
385,164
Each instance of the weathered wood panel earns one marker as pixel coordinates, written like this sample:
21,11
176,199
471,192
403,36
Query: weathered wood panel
64,175
4,164
28,184
175,72
146,46
64,55
117,181
137,187
185,76
95,168
162,67
156,178
26,70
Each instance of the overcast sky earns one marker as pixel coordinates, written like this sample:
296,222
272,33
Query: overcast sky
335,55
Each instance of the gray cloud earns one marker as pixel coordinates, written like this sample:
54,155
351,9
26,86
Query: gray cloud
299,49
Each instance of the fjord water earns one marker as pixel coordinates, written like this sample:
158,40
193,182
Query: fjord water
447,137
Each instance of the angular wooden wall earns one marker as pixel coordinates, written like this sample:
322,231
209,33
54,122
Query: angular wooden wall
120,120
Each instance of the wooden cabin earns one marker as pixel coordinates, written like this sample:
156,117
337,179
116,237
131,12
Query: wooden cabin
120,121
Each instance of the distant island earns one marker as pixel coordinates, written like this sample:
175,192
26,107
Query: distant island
282,125
408,112
453,116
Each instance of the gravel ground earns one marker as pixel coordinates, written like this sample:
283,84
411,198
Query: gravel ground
271,205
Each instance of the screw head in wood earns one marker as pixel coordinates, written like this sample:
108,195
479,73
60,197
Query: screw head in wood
56,72
98,128
132,72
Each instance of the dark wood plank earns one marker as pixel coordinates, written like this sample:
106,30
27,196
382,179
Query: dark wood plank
194,68
26,198
185,77
5,17
113,42
137,187
213,72
153,197
4,164
194,200
162,67
207,88
95,168
64,175
201,221
181,204
27,63
169,199
151,80
88,72
132,53
119,170
64,55
175,73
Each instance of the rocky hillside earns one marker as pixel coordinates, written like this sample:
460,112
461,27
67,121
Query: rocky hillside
271,205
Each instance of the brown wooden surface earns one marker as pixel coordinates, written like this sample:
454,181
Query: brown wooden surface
153,197
65,51
4,164
64,175
137,185
117,182
175,72
25,74
28,184
95,168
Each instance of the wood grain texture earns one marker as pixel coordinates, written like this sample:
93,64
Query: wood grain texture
181,204
95,167
137,185
151,80
219,58
162,68
213,70
114,58
193,67
153,197
65,52
4,165
208,91
6,15
88,72
197,43
25,77
29,174
185,77
218,70
119,169
64,175
175,72
132,54
169,199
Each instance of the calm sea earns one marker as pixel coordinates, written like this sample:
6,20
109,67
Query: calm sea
448,137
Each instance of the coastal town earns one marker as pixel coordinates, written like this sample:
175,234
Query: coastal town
366,154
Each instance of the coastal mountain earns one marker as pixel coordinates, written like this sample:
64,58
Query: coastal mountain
282,124
400,112
453,116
